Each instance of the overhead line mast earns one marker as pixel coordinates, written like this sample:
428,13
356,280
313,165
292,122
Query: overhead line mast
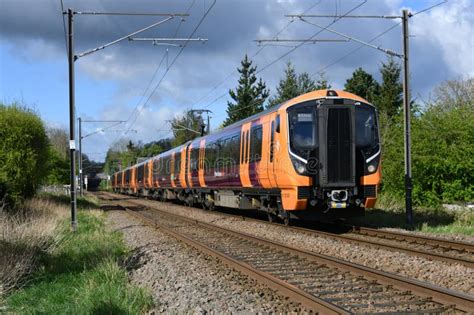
406,85
72,57
173,61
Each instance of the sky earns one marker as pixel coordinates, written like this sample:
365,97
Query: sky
146,85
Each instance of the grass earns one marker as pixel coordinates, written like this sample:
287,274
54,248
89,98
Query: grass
82,275
390,212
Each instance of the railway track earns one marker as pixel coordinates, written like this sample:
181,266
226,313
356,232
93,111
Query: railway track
319,282
428,247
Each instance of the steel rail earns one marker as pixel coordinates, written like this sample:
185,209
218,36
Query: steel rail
444,296
286,289
419,240
458,245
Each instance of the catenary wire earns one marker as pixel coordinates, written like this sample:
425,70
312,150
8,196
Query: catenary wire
64,27
312,37
153,77
290,51
251,57
354,50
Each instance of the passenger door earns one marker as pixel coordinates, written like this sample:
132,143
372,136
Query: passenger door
271,155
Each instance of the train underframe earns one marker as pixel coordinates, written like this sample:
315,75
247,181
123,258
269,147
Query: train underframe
264,200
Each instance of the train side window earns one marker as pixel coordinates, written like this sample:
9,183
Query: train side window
177,162
272,140
247,146
235,148
140,173
167,165
241,150
205,160
256,144
244,146
194,159
277,122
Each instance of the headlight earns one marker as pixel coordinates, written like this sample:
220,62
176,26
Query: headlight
372,167
299,166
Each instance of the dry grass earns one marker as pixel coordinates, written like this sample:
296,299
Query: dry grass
31,231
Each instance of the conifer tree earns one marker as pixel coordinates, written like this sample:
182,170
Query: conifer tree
287,88
293,85
390,99
363,84
305,83
249,95
321,83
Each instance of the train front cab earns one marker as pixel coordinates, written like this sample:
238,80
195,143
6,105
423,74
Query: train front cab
331,169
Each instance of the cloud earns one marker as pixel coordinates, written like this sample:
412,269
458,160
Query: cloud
449,31
441,48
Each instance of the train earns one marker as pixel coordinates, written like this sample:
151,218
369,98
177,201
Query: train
314,157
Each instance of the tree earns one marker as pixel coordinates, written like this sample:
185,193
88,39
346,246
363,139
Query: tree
59,169
59,141
287,88
363,84
58,162
249,95
23,154
124,152
454,94
186,127
442,148
390,98
121,155
293,85
151,149
320,84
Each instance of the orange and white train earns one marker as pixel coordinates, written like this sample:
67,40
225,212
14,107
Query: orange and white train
316,156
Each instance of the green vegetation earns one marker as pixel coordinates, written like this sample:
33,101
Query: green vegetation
82,274
293,85
58,162
390,212
363,84
23,153
124,153
183,126
442,150
389,99
442,129
248,97
442,137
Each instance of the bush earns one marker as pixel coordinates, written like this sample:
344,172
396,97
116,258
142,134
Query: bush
442,152
23,153
59,169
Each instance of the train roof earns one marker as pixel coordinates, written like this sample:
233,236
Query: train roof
318,94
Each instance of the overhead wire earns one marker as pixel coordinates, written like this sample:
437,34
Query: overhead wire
429,8
312,37
251,57
176,57
354,50
281,57
373,39
64,26
152,78
293,49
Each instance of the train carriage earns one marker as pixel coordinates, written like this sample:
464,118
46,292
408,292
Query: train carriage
315,156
